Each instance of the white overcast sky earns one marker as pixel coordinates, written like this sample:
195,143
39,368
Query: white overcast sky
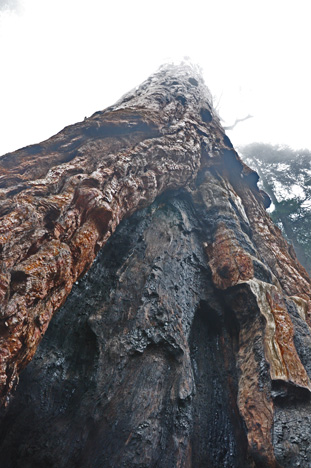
62,60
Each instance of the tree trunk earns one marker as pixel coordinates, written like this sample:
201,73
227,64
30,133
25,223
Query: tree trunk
186,343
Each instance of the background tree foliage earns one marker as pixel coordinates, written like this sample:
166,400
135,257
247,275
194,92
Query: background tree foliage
285,174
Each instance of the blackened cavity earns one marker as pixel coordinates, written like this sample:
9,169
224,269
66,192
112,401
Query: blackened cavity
193,81
206,116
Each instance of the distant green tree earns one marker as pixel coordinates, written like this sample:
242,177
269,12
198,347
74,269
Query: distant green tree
285,174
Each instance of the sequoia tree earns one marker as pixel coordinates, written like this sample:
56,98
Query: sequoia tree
185,339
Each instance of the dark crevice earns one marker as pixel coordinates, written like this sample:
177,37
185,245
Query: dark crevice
206,115
182,99
218,438
285,393
18,282
193,81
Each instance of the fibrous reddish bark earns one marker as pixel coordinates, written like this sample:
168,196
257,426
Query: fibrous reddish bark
206,277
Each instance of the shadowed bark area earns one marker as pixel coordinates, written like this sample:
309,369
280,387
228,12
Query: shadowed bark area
186,343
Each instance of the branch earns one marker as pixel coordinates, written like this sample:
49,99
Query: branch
231,127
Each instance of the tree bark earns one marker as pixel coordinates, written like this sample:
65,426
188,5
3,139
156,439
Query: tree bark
185,345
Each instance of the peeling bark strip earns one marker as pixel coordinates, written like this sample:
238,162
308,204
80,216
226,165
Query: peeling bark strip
208,280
